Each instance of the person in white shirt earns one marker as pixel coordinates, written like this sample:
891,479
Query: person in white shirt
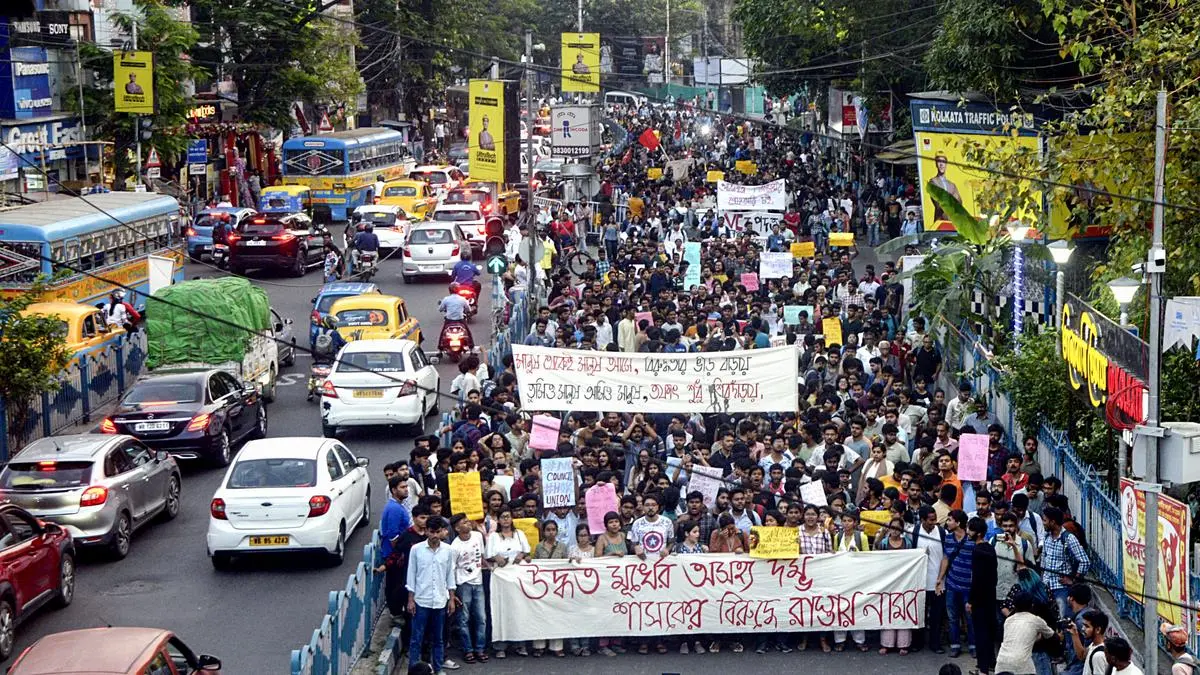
604,331
1120,656
959,407
469,549
1022,628
431,587
1088,642
928,536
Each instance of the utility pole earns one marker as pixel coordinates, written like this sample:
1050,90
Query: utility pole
667,52
530,211
1156,261
137,119
579,17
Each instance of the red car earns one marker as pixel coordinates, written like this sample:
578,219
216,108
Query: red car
37,566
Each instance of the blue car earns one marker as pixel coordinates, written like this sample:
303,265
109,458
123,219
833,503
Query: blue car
199,234
329,294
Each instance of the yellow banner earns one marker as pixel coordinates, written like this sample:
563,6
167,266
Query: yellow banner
485,148
831,328
803,249
530,527
841,238
944,162
466,494
714,177
133,82
774,543
745,166
581,62
654,173
1173,568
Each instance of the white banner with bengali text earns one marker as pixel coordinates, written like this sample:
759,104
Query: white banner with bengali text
757,222
736,197
707,593
759,380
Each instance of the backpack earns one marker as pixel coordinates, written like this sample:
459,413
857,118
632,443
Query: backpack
468,433
324,343
863,544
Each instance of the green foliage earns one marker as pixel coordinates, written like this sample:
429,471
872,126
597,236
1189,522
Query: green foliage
34,354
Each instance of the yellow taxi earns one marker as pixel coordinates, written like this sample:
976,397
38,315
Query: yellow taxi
375,317
508,200
414,196
83,325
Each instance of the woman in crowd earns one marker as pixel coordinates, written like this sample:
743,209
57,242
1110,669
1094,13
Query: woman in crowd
507,546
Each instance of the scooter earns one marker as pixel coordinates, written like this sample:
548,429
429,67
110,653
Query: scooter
455,340
468,293
317,375
220,255
366,265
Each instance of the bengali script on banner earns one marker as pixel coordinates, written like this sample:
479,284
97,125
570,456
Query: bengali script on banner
761,380
708,593
736,197
1174,564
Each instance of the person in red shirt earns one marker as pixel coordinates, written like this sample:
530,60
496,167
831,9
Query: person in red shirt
1014,479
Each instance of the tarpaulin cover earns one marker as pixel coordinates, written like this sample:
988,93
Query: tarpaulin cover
178,332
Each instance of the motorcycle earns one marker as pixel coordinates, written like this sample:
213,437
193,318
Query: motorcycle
468,293
220,255
454,340
317,375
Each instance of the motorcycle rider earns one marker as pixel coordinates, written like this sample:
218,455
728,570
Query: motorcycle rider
326,345
117,312
222,227
366,241
465,273
455,308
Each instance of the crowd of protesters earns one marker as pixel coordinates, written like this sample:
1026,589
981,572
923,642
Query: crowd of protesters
874,428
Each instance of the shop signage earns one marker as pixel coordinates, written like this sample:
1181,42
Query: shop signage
205,112
1103,359
28,140
50,28
25,88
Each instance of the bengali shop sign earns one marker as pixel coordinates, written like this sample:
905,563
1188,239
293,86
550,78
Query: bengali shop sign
1173,561
708,593
760,380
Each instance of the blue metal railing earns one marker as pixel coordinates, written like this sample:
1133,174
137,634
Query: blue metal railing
345,631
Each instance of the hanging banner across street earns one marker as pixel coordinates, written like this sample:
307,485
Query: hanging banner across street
708,593
736,197
581,62
760,380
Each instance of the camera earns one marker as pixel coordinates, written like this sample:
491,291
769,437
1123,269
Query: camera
1156,260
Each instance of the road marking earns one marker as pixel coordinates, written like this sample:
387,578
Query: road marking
290,379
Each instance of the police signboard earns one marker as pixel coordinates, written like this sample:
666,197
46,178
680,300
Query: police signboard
574,130
197,151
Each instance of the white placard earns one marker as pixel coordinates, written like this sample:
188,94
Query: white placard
774,265
813,493
558,482
707,480
708,593
574,131
758,222
759,380
735,197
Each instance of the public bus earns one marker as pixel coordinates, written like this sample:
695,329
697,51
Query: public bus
341,168
110,236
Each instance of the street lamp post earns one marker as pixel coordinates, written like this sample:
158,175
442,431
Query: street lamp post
1017,232
1123,290
1061,252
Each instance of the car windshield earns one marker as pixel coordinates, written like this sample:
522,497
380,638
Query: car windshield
431,236
377,362
456,216
467,197
434,177
362,317
162,393
273,473
206,220
267,227
326,301
400,191
279,202
46,475
381,219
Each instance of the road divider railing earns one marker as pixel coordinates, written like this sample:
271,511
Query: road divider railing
345,631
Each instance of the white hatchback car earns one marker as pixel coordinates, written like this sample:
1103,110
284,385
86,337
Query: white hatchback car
379,382
284,495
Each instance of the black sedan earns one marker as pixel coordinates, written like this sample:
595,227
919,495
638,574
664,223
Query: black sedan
192,414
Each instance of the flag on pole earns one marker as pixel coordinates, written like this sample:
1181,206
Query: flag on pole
649,140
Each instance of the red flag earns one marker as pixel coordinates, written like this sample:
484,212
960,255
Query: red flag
648,140
627,157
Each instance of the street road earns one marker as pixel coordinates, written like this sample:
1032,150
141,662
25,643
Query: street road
253,616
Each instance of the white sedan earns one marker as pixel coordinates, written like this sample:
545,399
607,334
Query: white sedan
285,495
376,383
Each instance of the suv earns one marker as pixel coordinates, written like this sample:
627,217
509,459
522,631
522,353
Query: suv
116,651
290,242
37,565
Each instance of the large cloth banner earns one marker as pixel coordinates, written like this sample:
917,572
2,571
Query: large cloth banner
769,197
707,593
762,380
757,222
1174,524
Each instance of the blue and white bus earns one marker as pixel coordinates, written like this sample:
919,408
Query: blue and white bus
341,168
111,236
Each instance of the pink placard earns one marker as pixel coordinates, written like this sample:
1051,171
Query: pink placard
599,500
637,318
544,435
750,281
972,457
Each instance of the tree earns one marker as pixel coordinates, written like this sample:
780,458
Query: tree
170,41
34,356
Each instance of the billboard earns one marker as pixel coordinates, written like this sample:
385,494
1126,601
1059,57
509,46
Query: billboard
944,161
581,62
621,56
574,130
491,120
1174,524
133,82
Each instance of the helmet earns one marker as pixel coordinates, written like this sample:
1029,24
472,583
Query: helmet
330,322
118,294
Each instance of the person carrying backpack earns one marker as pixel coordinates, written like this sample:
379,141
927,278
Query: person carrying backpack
1176,638
327,343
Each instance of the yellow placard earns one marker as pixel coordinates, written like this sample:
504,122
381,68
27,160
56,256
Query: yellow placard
831,327
133,82
873,521
841,238
803,249
530,527
466,494
774,543
581,62
485,147
746,167
714,177
654,173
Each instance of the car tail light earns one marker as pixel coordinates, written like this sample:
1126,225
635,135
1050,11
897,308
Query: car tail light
108,426
94,496
482,229
407,252
455,341
216,509
318,506
328,390
408,388
191,232
232,239
47,466
315,318
286,236
199,422
455,251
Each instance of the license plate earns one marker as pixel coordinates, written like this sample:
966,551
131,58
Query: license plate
253,242
152,426
271,540
368,393
431,268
